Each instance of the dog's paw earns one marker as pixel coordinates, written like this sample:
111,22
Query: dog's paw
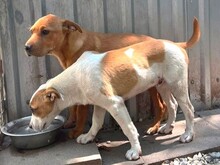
84,138
133,153
166,129
152,130
187,137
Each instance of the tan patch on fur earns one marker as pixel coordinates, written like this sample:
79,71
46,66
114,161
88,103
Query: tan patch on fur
149,52
119,75
42,103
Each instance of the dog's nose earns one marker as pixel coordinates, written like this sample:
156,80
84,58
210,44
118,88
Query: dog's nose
28,48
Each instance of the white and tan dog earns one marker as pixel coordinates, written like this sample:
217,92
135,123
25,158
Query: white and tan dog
112,77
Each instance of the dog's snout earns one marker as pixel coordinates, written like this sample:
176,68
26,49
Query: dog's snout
28,48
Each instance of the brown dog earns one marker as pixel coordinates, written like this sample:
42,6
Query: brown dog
67,41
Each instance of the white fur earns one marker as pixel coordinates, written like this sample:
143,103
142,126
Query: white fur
81,83
43,86
129,52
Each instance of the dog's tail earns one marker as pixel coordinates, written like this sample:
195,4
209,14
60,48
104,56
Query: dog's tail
194,38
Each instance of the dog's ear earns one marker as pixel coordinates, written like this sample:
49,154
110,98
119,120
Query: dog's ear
52,94
68,25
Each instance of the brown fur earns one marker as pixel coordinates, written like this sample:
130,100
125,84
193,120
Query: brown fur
194,38
124,80
116,85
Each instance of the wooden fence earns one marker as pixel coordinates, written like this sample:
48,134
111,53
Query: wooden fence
168,19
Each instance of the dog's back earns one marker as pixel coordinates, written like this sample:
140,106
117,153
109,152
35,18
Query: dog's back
127,71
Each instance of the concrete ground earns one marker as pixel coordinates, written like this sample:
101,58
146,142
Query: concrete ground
112,146
158,148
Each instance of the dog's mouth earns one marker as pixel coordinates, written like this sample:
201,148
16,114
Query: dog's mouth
29,54
30,126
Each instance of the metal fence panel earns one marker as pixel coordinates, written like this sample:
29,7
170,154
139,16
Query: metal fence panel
168,19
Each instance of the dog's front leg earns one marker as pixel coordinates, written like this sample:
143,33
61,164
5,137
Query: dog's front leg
81,117
160,111
119,111
97,122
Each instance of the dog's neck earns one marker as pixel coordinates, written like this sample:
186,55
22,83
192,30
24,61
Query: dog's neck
76,43
63,87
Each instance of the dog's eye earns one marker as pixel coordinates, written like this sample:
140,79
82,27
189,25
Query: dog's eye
45,32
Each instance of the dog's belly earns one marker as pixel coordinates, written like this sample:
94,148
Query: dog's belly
147,78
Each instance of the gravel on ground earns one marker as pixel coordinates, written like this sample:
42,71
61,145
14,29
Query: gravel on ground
212,158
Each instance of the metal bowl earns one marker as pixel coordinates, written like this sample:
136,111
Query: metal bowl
24,137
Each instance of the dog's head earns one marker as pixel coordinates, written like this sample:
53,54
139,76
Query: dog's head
48,34
43,105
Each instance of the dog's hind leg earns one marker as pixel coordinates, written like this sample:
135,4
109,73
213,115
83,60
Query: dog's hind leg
180,92
172,105
97,122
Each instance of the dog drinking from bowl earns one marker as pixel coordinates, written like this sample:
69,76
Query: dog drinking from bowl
112,77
